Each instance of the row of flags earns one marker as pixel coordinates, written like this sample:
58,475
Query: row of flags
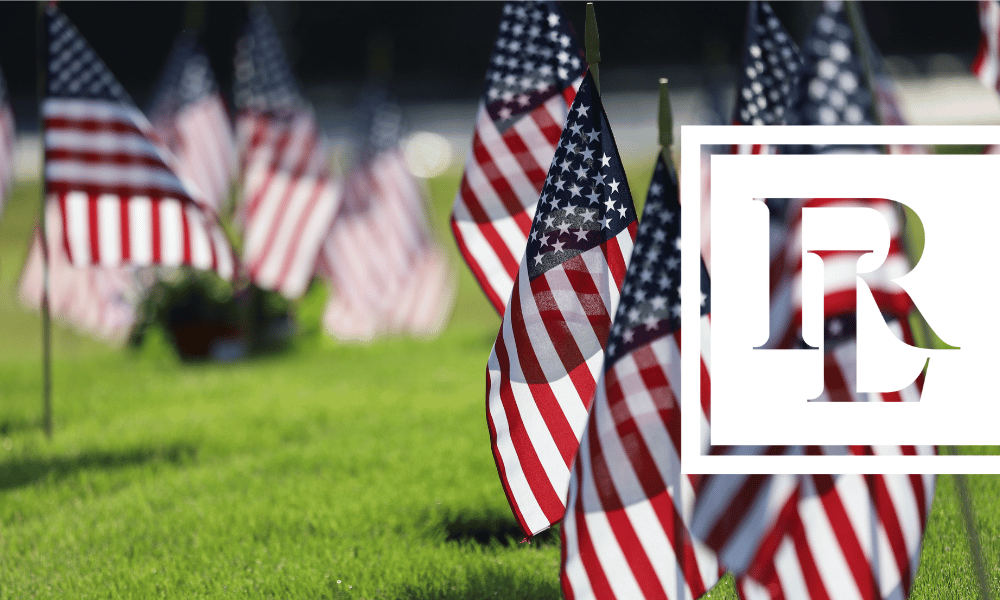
130,192
583,381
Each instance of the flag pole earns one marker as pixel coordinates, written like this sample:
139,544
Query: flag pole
592,45
961,484
41,33
665,122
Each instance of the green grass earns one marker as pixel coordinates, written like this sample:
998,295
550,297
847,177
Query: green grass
326,471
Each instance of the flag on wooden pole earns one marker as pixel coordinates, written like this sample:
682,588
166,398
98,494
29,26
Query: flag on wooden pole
534,72
120,200
543,370
289,198
190,117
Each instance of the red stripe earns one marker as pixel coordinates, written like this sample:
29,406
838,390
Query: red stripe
93,225
834,381
889,519
588,554
498,181
154,214
185,235
65,228
91,125
126,242
307,215
119,158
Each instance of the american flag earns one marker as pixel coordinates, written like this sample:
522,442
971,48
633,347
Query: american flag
534,71
625,532
189,115
99,301
289,198
543,370
986,65
7,135
119,196
403,282
842,536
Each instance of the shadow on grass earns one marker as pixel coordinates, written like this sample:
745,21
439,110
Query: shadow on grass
26,470
11,425
489,529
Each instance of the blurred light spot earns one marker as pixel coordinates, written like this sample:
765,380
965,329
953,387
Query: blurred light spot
427,154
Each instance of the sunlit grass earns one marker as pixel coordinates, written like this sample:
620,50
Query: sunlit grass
325,471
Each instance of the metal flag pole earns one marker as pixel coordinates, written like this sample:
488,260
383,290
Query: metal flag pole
861,42
41,33
592,45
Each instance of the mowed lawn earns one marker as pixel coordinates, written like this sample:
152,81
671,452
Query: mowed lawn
325,471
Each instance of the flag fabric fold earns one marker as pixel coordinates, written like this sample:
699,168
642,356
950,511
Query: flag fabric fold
545,363
119,195
625,533
190,117
534,72
388,273
289,197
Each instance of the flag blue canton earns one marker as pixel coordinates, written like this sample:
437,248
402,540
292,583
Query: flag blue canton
187,78
771,70
535,57
264,79
586,199
74,69
833,90
650,305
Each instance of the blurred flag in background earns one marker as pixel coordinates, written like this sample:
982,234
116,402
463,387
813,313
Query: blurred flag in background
190,117
388,273
289,197
534,71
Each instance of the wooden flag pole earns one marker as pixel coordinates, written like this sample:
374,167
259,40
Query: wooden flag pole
861,42
665,121
592,45
42,75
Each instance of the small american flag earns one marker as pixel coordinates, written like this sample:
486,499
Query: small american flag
119,196
986,65
534,71
7,135
625,532
289,197
543,370
403,282
820,536
189,115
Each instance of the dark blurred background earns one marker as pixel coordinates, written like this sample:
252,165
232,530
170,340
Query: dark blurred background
440,50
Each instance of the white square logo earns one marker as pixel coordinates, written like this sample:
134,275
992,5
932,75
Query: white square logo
760,395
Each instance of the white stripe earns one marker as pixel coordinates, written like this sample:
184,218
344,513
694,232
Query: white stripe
573,567
201,248
171,232
77,224
789,570
504,161
84,173
140,230
833,569
109,229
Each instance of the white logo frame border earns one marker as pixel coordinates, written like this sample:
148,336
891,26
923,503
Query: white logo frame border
693,137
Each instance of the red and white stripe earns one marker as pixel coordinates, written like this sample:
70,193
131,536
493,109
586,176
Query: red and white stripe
543,371
496,200
289,199
202,140
120,201
625,534
96,300
986,65
388,274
